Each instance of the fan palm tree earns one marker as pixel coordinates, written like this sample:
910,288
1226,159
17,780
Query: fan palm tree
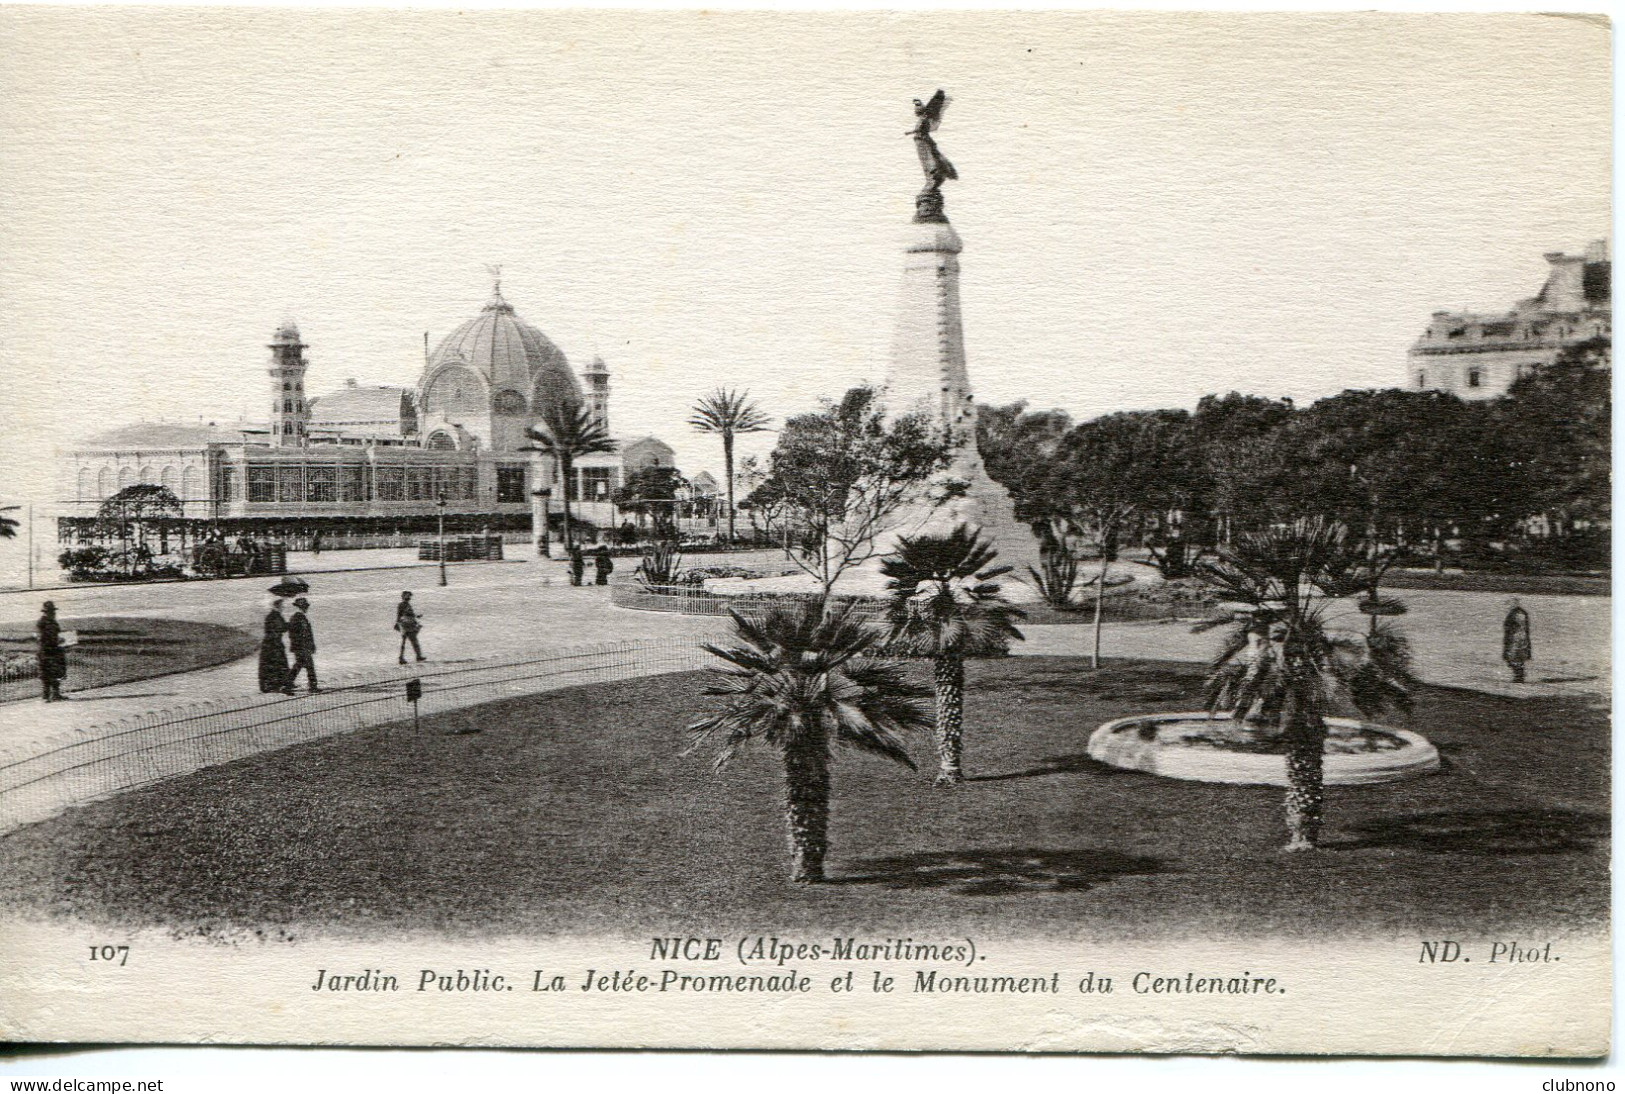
1285,668
800,680
727,414
946,606
566,432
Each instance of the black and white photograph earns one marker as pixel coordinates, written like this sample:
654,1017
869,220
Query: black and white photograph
1070,532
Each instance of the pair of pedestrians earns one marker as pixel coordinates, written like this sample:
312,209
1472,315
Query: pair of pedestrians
275,672
603,565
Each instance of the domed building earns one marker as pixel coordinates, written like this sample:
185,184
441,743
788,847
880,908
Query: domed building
375,462
489,379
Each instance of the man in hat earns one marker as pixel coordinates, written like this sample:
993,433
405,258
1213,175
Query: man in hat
601,561
408,624
302,644
1517,648
53,656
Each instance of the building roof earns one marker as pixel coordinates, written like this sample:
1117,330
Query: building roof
362,404
511,354
162,435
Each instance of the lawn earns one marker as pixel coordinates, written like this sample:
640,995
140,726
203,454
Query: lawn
118,649
573,813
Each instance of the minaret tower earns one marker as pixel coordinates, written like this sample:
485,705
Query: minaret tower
597,377
290,414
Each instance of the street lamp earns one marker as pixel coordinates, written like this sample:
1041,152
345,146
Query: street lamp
441,502
545,493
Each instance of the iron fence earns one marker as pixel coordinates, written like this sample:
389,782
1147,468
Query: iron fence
136,751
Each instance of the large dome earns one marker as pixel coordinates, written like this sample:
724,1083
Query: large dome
523,372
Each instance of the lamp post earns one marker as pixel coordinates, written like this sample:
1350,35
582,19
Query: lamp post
441,503
545,493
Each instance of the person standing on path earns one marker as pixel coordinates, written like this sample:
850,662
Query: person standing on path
408,623
578,564
316,543
53,655
1517,649
605,567
302,641
273,655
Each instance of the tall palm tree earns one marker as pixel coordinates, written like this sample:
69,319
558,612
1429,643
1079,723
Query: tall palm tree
728,414
800,680
566,432
1283,666
945,605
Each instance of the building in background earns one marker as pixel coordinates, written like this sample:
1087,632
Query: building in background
1478,356
373,460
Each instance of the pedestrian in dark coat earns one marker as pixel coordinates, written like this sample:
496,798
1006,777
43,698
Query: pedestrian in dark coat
408,624
53,655
578,564
605,567
302,642
1517,650
273,655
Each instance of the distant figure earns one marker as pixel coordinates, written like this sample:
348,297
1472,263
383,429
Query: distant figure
601,560
578,564
316,543
302,641
53,656
408,623
1517,650
273,655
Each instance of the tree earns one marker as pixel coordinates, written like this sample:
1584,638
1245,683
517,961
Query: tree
567,432
727,414
946,606
652,492
845,472
1243,472
800,680
1553,428
1104,476
1283,666
134,508
9,525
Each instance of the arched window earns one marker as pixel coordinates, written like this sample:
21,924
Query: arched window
1475,377
189,485
441,441
126,477
170,478
149,476
286,386
287,406
104,483
1421,380
87,482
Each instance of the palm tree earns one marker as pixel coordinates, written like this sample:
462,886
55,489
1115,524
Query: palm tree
801,681
567,432
1284,668
728,414
946,606
8,525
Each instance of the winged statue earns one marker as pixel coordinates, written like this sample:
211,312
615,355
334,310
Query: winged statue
932,161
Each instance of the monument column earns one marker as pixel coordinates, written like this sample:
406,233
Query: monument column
927,372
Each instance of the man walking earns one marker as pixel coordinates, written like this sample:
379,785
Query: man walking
53,656
578,564
603,564
409,624
302,644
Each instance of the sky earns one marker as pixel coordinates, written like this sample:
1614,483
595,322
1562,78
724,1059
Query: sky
1153,206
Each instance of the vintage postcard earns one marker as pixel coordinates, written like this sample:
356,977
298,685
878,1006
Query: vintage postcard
1070,532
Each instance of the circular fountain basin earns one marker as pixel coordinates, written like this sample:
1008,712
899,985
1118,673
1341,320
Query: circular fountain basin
1212,749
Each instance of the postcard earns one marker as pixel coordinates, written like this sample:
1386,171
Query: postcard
951,531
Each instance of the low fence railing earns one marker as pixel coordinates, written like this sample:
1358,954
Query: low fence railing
694,600
127,754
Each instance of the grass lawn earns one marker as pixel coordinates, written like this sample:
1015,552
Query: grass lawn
574,813
118,649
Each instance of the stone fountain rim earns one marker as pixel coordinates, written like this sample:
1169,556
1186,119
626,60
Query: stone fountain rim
1108,745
